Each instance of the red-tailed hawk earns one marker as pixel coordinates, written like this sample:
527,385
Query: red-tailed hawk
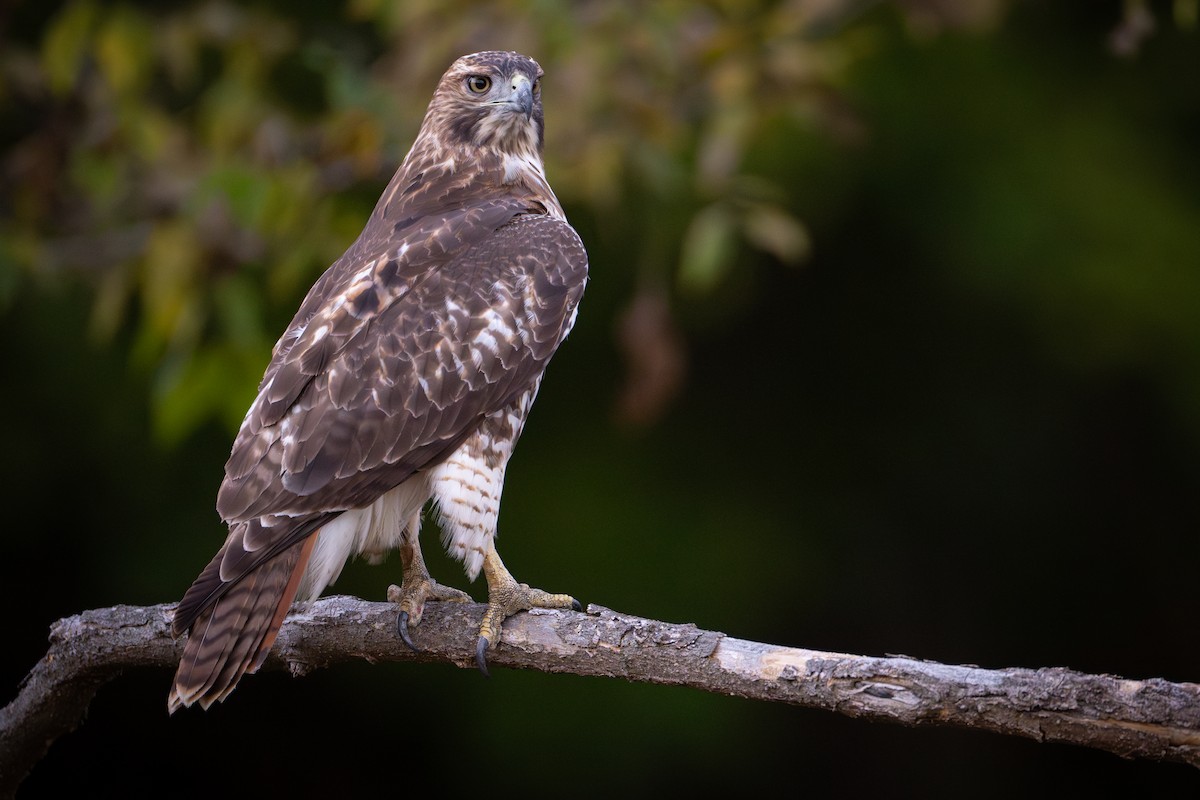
405,377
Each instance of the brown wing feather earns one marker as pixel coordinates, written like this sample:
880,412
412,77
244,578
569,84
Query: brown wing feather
412,381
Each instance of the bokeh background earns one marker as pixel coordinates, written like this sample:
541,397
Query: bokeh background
892,345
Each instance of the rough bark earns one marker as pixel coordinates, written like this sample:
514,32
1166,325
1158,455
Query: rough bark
1153,718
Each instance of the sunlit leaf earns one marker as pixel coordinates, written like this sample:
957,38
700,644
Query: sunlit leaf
707,249
67,43
770,228
168,276
123,49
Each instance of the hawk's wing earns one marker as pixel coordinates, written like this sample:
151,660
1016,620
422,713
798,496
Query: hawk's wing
392,364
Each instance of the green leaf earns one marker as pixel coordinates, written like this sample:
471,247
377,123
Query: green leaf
771,229
707,249
66,44
123,50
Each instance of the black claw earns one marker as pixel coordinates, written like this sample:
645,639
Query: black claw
575,605
481,656
402,629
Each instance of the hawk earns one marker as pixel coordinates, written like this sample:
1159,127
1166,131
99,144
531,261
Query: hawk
405,377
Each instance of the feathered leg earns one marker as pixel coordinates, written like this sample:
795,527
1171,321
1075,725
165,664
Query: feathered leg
417,586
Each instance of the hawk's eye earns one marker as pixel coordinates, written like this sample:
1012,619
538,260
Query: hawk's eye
479,83
537,86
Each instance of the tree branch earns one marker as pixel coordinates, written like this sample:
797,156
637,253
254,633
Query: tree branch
1147,719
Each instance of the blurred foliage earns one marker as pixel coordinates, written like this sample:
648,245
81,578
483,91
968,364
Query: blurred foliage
199,164
966,426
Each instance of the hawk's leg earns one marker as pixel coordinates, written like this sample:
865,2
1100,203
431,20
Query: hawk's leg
505,598
416,587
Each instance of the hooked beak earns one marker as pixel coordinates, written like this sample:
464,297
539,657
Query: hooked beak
521,98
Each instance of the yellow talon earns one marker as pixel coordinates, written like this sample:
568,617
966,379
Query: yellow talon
416,588
505,598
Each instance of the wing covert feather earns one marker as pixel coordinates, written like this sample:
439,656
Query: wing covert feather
375,399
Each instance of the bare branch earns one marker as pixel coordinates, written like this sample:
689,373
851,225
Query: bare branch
1152,719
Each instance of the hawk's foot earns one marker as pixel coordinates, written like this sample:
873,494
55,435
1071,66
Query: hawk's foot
411,597
505,598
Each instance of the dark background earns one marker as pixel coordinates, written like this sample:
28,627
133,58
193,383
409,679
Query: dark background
964,425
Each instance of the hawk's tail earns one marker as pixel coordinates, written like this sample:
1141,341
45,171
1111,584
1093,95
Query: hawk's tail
232,634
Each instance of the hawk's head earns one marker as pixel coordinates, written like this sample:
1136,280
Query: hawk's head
489,101
482,133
